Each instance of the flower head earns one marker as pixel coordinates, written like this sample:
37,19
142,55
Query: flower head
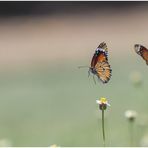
131,115
103,103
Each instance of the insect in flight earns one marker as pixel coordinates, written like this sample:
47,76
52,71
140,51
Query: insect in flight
99,64
142,51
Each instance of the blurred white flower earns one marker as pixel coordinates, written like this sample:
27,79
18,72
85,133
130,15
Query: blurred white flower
130,114
5,143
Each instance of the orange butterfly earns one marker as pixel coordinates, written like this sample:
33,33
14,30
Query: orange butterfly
99,64
142,51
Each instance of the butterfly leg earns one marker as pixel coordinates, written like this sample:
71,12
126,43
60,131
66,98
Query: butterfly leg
94,79
88,73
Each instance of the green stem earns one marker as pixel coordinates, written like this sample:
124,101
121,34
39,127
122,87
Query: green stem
98,128
131,130
103,129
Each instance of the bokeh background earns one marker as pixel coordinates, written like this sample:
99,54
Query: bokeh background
45,99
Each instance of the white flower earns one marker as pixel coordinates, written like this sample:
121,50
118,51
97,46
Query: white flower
131,114
103,103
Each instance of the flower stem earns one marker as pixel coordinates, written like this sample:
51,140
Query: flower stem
103,129
131,130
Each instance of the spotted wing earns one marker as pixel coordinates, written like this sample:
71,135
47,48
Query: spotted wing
103,46
103,70
101,57
144,54
142,51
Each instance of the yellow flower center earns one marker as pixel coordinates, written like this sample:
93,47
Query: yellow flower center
103,100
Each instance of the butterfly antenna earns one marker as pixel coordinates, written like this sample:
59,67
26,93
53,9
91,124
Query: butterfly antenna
83,66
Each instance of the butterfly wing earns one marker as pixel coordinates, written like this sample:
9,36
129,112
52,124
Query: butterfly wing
103,46
103,70
142,51
100,65
100,56
144,54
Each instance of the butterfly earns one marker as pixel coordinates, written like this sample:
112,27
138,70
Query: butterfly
142,51
99,64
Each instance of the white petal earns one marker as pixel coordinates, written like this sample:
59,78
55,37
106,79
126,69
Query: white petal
108,104
98,101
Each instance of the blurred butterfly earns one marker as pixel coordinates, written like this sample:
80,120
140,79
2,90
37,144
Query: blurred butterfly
99,64
142,51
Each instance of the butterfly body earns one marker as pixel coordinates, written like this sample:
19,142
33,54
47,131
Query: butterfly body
142,51
99,63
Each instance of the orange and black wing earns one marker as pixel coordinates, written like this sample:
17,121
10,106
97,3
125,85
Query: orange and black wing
144,54
142,51
100,63
103,70
100,54
103,46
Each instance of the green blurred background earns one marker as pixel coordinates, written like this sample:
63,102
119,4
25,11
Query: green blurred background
44,98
